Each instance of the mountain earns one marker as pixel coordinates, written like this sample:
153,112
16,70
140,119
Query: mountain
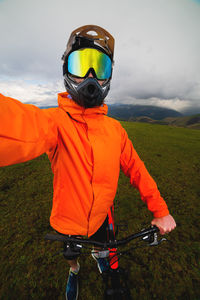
128,112
151,114
192,122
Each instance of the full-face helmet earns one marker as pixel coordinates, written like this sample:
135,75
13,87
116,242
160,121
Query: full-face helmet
90,50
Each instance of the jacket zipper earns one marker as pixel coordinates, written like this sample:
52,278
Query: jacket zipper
88,219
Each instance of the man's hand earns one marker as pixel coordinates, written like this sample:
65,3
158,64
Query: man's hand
165,224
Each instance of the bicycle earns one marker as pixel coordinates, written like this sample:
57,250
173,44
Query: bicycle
115,279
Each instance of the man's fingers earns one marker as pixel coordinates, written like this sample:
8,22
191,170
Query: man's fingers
165,224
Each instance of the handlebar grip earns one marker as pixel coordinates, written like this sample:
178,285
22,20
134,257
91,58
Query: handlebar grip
54,237
155,228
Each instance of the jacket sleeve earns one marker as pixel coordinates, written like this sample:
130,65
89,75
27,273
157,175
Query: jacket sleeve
134,168
26,131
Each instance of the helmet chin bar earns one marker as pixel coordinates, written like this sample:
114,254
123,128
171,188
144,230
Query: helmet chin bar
89,93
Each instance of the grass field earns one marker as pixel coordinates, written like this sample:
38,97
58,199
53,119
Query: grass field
170,271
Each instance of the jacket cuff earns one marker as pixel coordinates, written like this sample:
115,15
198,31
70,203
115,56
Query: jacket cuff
161,214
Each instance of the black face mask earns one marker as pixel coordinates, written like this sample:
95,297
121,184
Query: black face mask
88,93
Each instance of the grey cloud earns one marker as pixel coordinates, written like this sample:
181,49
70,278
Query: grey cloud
157,44
153,87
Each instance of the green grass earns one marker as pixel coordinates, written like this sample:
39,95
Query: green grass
170,271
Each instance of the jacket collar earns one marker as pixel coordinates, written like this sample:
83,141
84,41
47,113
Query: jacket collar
67,104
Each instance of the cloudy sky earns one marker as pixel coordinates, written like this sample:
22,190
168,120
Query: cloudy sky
157,53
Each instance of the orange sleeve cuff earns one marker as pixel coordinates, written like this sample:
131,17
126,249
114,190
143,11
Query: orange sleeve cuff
161,214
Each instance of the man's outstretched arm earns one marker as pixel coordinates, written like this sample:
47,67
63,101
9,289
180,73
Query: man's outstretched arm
26,131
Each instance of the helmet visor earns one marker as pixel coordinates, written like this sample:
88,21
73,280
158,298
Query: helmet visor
82,60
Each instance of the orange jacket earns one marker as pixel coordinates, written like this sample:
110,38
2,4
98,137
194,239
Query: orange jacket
86,150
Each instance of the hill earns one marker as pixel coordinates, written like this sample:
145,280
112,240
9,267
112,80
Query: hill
153,115
192,122
171,271
128,112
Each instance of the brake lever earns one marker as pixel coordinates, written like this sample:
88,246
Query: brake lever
156,241
152,239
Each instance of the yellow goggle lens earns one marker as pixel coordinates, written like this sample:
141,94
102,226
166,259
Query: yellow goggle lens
82,60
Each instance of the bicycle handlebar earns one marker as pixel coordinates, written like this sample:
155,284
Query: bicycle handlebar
110,244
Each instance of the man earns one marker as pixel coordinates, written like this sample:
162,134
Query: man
85,147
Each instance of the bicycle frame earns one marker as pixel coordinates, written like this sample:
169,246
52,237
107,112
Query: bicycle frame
114,288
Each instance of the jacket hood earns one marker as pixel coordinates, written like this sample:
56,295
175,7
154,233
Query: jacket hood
67,104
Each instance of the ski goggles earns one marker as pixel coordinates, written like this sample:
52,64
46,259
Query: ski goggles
82,61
